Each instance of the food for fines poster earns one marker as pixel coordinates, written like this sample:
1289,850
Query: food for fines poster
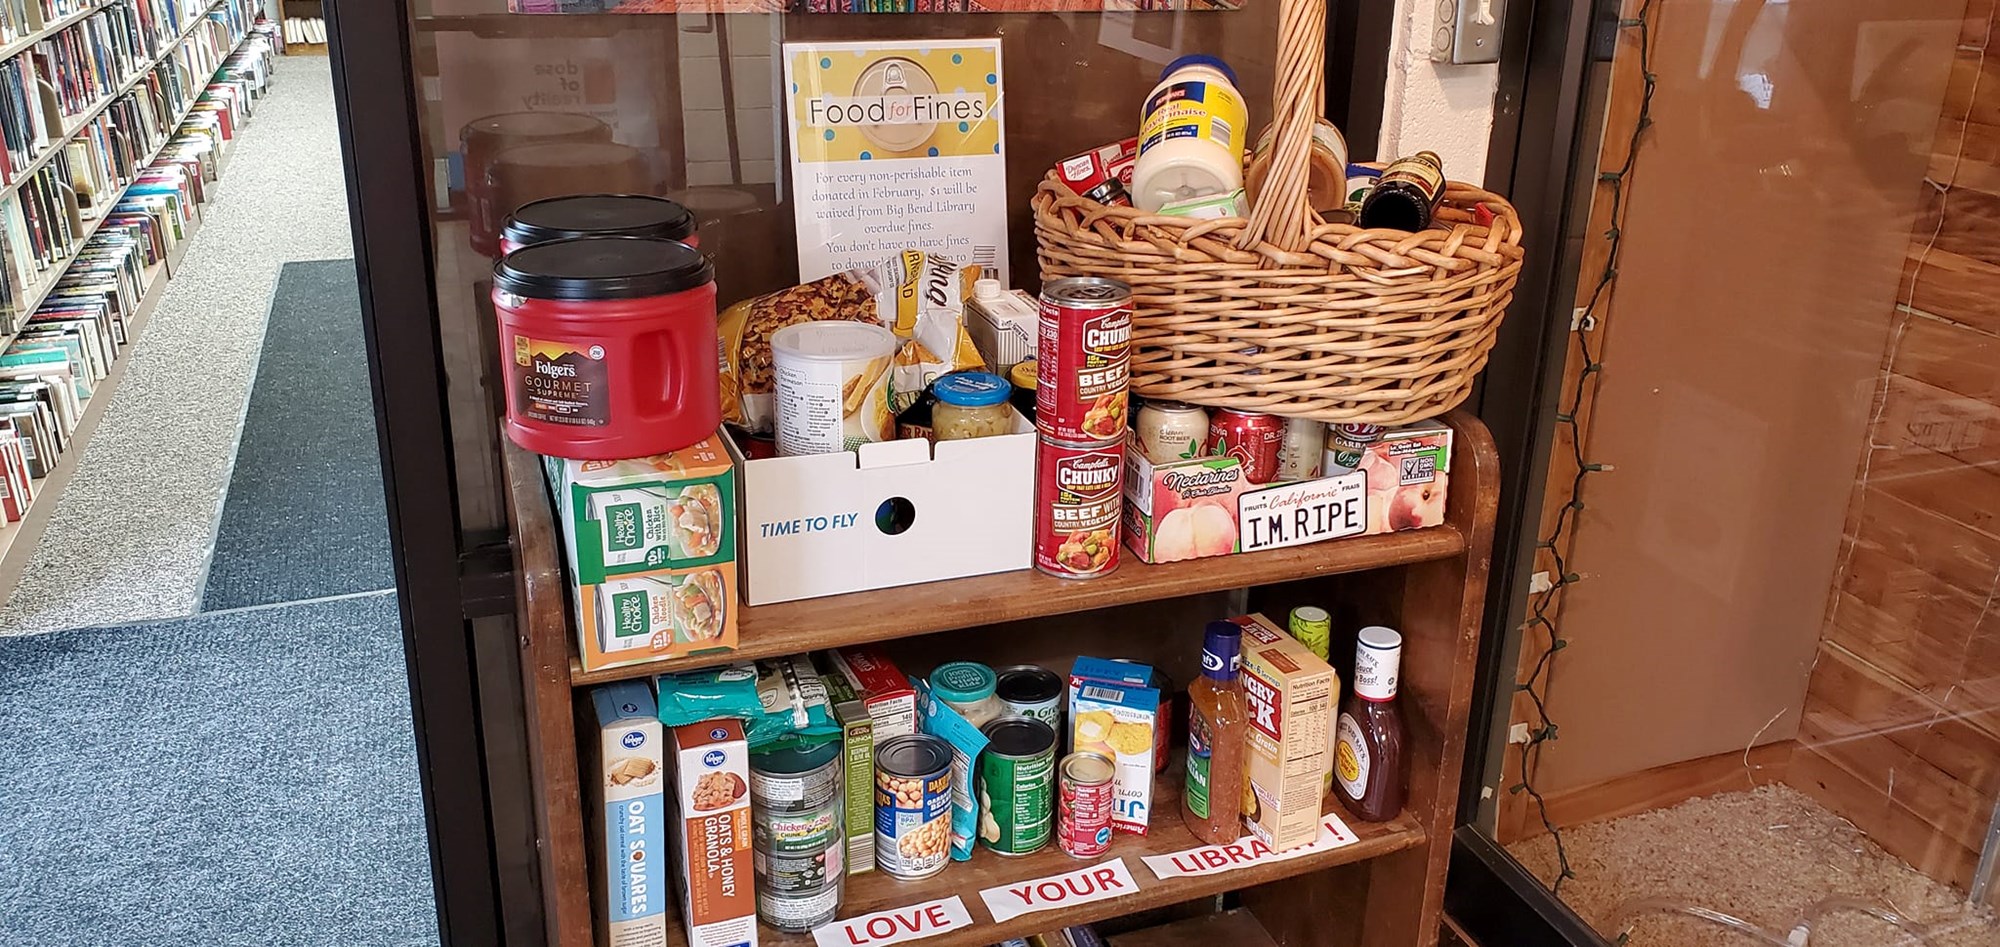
897,146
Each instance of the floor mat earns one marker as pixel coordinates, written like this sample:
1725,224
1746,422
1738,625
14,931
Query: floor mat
304,518
233,778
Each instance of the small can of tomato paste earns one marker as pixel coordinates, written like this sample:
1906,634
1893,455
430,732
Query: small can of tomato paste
1083,359
597,215
1079,497
1249,437
1084,801
607,345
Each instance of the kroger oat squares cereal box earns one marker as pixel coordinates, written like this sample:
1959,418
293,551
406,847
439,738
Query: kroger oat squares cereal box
711,771
629,818
1114,712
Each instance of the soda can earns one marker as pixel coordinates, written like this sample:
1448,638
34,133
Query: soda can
1079,498
1347,445
1017,786
1084,803
1302,449
1083,358
1251,438
913,806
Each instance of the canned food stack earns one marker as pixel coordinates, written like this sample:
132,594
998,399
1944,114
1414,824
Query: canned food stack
1083,358
797,842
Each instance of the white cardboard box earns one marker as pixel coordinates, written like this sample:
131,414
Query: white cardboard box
895,513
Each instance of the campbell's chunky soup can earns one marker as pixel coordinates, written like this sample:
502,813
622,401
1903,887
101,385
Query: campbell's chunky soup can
608,347
597,215
1083,359
1078,499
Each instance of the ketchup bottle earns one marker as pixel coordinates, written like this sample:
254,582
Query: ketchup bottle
1368,765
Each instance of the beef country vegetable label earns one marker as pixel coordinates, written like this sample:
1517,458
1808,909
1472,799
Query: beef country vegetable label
1084,359
897,145
1078,500
896,925
1097,882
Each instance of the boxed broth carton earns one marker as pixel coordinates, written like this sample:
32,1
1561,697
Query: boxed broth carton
1291,694
711,828
651,550
1113,711
626,782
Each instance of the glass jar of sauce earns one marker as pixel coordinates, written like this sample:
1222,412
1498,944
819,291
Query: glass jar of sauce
968,687
971,404
1022,375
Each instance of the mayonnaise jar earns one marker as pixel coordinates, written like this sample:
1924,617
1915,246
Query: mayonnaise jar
1191,134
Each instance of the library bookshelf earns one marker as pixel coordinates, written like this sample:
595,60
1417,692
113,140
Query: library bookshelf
18,539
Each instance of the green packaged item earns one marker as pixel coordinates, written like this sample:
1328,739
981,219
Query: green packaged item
694,696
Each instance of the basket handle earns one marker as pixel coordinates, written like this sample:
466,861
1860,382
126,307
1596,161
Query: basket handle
1283,216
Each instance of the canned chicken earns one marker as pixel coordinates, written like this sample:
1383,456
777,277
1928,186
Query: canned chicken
1251,438
792,780
1016,785
1078,500
800,912
1083,811
1084,356
913,806
1031,691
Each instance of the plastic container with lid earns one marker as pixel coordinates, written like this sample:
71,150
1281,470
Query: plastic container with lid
1191,134
527,173
831,386
968,687
1024,379
971,404
597,215
484,137
608,347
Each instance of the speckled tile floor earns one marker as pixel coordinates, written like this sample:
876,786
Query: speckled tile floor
131,536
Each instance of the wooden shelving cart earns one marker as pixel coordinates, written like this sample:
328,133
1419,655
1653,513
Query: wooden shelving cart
1386,889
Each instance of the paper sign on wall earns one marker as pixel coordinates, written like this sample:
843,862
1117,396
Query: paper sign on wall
1246,851
1298,513
895,925
897,146
1096,883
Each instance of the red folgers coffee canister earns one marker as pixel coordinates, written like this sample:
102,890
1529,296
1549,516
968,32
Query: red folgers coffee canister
1249,437
1078,501
597,215
608,347
1084,356
483,138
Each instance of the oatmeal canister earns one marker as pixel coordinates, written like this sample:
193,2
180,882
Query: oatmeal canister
1083,358
913,806
1084,803
607,347
1078,502
597,215
1017,783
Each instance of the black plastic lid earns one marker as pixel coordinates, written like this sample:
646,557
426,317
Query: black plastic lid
1019,736
602,268
599,215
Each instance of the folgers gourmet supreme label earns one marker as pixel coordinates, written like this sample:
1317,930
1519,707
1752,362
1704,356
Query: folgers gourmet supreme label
1079,497
559,384
1084,360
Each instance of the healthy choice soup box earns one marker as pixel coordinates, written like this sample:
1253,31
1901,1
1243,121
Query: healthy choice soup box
651,545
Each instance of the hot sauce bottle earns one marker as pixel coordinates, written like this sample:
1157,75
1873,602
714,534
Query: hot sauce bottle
1218,739
1368,743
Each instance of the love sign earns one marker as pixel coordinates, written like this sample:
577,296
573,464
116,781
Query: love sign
1246,851
1096,883
895,925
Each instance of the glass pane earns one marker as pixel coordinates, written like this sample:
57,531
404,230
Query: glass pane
1762,665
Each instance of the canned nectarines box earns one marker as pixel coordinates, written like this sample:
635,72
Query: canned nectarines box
712,833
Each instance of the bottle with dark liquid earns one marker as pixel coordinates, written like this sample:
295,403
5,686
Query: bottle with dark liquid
1368,764
1406,195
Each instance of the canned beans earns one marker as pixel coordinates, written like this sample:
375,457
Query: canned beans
912,806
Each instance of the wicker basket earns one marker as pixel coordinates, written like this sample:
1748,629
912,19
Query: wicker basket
1284,313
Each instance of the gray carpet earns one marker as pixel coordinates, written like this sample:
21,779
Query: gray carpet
304,517
244,777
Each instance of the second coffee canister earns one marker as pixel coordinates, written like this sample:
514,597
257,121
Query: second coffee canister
598,215
608,347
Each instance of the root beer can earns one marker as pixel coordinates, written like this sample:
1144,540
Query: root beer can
1084,359
1079,497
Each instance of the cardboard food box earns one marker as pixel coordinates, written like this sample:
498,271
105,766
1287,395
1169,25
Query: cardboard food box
857,744
626,783
1290,693
1112,711
1200,507
885,690
651,548
888,514
712,833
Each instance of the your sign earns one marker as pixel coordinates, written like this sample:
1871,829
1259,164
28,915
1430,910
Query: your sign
1096,883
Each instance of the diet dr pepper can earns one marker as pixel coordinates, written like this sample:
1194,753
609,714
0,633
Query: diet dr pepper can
1083,358
1249,437
1079,497
1083,808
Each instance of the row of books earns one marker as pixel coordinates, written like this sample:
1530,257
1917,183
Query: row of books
54,364
20,19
